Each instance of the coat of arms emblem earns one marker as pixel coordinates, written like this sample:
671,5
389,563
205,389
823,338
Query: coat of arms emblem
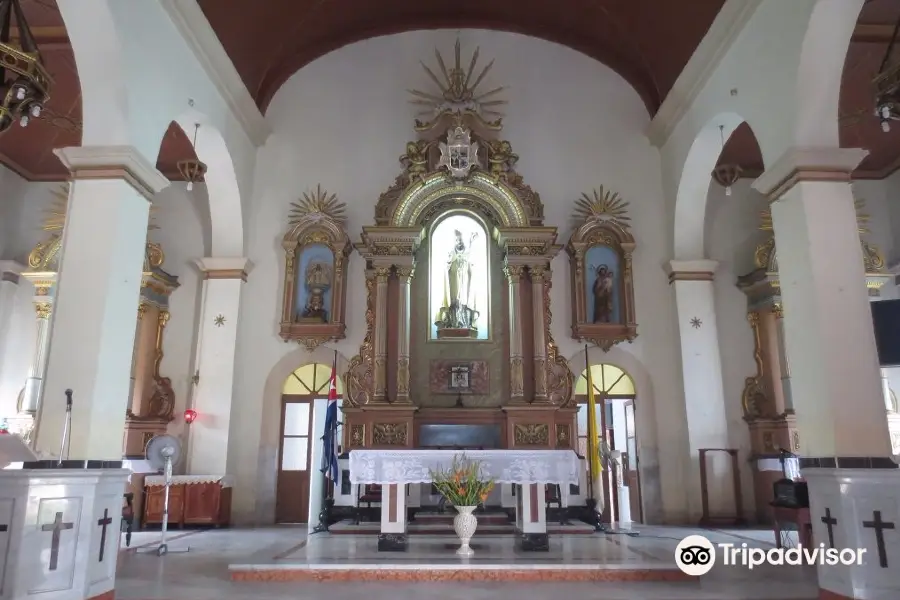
459,154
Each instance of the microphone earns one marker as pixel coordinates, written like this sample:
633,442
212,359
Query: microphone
68,399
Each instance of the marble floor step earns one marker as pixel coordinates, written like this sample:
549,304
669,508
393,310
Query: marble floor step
438,528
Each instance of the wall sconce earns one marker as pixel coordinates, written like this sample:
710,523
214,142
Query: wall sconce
190,415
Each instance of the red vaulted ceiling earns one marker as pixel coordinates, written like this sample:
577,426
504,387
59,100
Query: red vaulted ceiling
648,42
29,151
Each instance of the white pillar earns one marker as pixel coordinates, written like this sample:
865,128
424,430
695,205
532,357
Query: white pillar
835,378
44,294
784,364
538,273
101,266
704,396
216,346
9,288
316,477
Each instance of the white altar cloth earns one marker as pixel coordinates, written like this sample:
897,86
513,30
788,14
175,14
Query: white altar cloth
503,466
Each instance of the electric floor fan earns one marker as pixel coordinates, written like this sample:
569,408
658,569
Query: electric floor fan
163,452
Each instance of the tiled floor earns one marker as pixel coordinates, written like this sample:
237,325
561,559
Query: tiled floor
203,573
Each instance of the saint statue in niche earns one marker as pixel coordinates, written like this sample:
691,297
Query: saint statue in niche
458,310
318,280
603,295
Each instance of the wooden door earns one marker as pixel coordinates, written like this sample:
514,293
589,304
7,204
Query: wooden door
632,475
292,499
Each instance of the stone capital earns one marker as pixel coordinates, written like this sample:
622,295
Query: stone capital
691,270
225,267
113,162
808,164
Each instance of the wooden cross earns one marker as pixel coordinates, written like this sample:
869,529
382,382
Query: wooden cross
830,522
57,526
879,526
106,520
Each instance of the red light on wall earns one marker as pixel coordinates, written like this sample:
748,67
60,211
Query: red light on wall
190,415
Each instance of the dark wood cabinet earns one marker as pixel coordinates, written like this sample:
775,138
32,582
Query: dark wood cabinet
206,503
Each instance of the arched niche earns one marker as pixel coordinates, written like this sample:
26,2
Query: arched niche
317,249
600,252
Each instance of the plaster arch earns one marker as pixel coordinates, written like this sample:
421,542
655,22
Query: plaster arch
225,209
270,428
645,420
693,184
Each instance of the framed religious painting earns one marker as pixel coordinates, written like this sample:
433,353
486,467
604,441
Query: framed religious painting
600,251
317,249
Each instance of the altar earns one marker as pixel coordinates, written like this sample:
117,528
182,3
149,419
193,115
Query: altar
528,470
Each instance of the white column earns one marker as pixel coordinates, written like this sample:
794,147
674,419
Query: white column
316,477
216,346
835,377
9,380
381,308
704,396
101,266
44,294
393,518
516,359
783,359
404,277
538,273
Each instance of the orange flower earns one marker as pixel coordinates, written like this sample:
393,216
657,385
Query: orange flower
461,490
484,497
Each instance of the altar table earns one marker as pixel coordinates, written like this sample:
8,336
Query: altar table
529,470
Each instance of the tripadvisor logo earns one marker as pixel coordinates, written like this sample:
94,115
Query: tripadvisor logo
695,555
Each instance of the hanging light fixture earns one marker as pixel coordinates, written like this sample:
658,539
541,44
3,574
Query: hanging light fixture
726,175
192,169
24,82
887,84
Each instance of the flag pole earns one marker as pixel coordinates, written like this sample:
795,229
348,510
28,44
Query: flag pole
328,450
594,517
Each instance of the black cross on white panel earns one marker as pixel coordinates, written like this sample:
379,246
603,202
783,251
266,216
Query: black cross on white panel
57,528
6,529
884,532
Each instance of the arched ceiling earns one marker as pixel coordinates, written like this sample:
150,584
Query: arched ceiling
859,126
647,42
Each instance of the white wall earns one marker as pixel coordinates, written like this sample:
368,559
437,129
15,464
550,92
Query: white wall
343,120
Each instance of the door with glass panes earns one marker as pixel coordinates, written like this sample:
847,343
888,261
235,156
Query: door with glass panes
292,501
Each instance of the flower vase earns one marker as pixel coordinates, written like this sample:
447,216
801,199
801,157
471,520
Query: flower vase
464,524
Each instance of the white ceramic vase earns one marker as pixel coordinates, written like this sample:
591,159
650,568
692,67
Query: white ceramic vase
464,524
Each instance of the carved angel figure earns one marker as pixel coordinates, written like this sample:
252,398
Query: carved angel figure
415,161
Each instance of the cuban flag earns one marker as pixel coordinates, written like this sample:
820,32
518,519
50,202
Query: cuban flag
330,439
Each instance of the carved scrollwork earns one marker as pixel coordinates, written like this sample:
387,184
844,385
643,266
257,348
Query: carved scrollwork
563,438
531,434
357,435
359,381
390,434
560,380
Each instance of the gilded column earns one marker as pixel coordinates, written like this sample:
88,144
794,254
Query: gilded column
404,276
783,358
538,273
516,360
142,309
381,308
44,290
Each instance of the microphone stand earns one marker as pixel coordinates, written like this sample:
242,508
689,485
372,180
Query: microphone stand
64,445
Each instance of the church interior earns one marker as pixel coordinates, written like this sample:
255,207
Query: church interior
629,267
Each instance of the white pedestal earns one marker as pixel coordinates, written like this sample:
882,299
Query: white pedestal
393,518
531,517
62,535
858,503
624,507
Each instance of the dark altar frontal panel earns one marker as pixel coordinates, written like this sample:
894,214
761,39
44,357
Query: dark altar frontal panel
482,436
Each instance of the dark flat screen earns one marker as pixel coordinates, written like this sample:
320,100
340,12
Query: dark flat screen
886,320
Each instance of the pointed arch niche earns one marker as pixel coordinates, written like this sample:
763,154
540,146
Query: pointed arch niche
615,394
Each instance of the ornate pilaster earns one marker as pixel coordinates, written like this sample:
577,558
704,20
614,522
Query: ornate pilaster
404,277
785,366
516,360
538,273
44,294
381,293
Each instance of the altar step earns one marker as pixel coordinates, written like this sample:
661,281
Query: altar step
493,523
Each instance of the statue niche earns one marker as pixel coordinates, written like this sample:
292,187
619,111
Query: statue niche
600,257
317,249
459,278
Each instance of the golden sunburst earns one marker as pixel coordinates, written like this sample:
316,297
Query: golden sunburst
55,214
604,205
317,204
859,204
458,87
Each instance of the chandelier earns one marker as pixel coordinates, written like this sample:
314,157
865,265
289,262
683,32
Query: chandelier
726,175
192,169
24,82
887,84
